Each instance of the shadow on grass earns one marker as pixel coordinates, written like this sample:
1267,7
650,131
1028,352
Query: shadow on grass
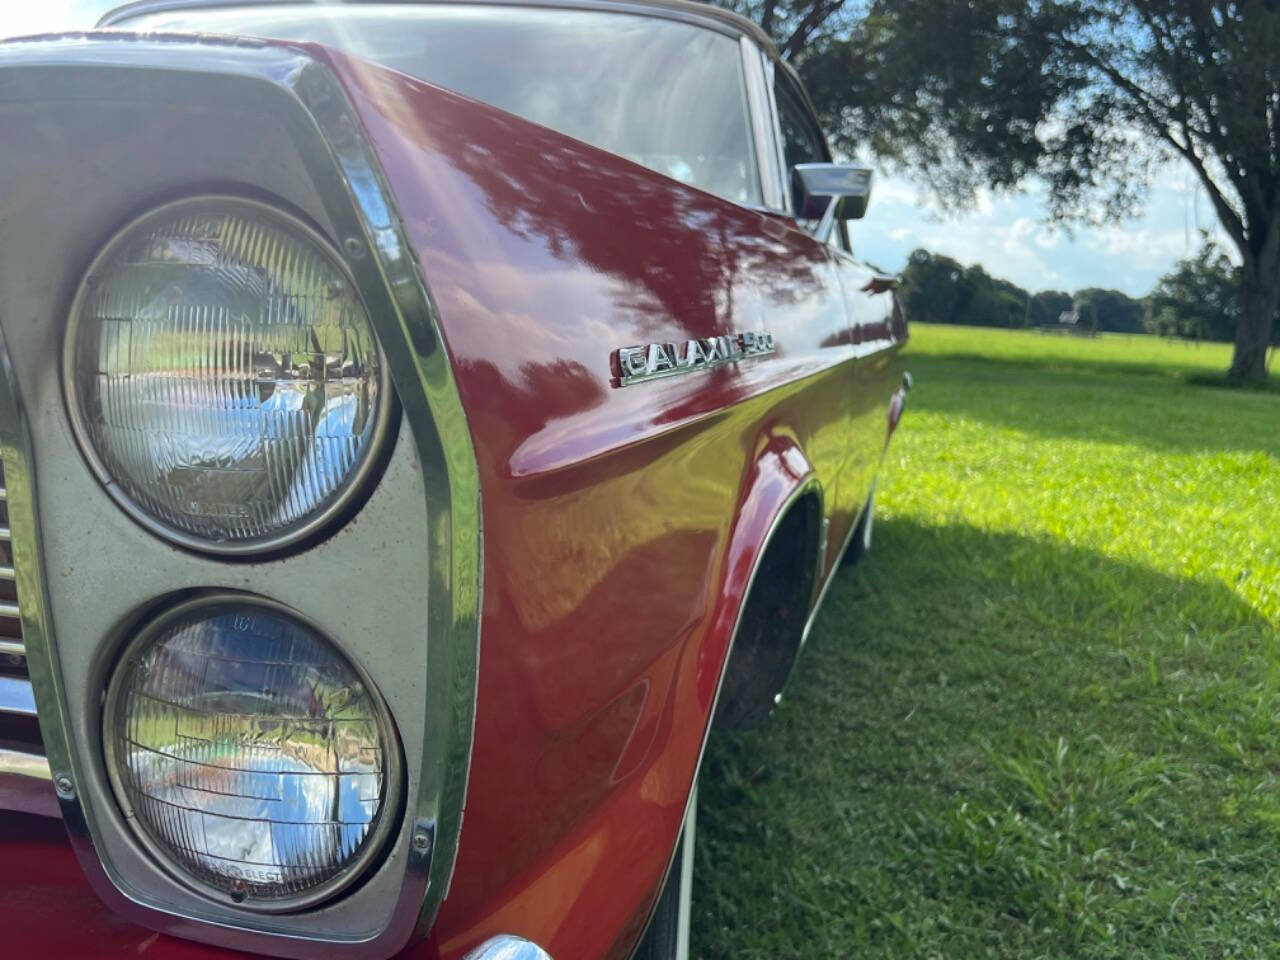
1003,747
1152,407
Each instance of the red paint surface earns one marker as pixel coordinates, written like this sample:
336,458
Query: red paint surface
49,910
621,525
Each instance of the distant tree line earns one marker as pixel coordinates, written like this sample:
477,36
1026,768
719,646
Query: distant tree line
1199,299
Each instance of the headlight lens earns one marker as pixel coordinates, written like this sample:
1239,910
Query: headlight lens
249,755
223,374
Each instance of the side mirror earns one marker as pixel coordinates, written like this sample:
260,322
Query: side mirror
828,192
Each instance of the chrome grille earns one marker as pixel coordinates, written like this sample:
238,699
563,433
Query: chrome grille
24,771
13,655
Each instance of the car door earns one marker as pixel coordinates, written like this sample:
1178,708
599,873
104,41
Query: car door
871,332
800,140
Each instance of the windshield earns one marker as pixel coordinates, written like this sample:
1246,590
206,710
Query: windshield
666,94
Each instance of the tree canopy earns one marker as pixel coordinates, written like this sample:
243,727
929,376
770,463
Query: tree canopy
938,289
1088,95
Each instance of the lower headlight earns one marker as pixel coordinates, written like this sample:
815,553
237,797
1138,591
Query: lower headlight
249,755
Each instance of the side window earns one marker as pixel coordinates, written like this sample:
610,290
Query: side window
802,143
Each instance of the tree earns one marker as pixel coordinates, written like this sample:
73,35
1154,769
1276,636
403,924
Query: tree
1198,299
1116,312
795,24
937,289
1089,95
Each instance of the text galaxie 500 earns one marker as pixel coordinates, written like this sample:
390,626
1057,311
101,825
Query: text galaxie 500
654,360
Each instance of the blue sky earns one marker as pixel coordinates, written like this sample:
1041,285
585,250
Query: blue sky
1006,234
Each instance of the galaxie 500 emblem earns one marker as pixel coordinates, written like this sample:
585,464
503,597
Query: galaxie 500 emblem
654,360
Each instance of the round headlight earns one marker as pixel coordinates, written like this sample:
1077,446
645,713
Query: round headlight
223,375
248,754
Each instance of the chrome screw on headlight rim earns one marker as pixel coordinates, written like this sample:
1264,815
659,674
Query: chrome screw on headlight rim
223,377
250,757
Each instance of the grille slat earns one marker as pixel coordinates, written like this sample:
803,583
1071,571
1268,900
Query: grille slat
24,770
13,653
16,696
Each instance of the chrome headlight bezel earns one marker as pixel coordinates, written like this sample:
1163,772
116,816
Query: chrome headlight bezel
146,629
358,481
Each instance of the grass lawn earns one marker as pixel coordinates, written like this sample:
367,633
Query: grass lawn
1043,718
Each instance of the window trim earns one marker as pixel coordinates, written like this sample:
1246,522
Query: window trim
759,75
793,93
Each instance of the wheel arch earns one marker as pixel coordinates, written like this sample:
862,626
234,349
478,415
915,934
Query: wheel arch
780,488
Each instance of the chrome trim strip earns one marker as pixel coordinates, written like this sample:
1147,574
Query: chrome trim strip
12,648
780,156
773,195
684,919
867,512
9,609
717,18
25,783
423,375
5,533
6,572
19,763
16,696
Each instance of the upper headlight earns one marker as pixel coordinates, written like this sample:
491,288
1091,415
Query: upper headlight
223,375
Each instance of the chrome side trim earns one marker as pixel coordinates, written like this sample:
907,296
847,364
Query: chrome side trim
16,697
368,219
867,514
508,947
688,834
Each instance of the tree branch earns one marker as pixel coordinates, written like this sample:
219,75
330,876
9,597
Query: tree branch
1162,127
818,14
766,16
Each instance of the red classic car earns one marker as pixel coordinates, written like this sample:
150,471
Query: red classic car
419,422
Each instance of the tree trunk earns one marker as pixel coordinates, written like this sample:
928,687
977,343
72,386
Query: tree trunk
1259,296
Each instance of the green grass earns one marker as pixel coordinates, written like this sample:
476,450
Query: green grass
1043,718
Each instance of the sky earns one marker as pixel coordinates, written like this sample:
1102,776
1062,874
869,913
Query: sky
1007,235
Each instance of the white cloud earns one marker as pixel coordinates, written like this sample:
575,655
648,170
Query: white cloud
1008,235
